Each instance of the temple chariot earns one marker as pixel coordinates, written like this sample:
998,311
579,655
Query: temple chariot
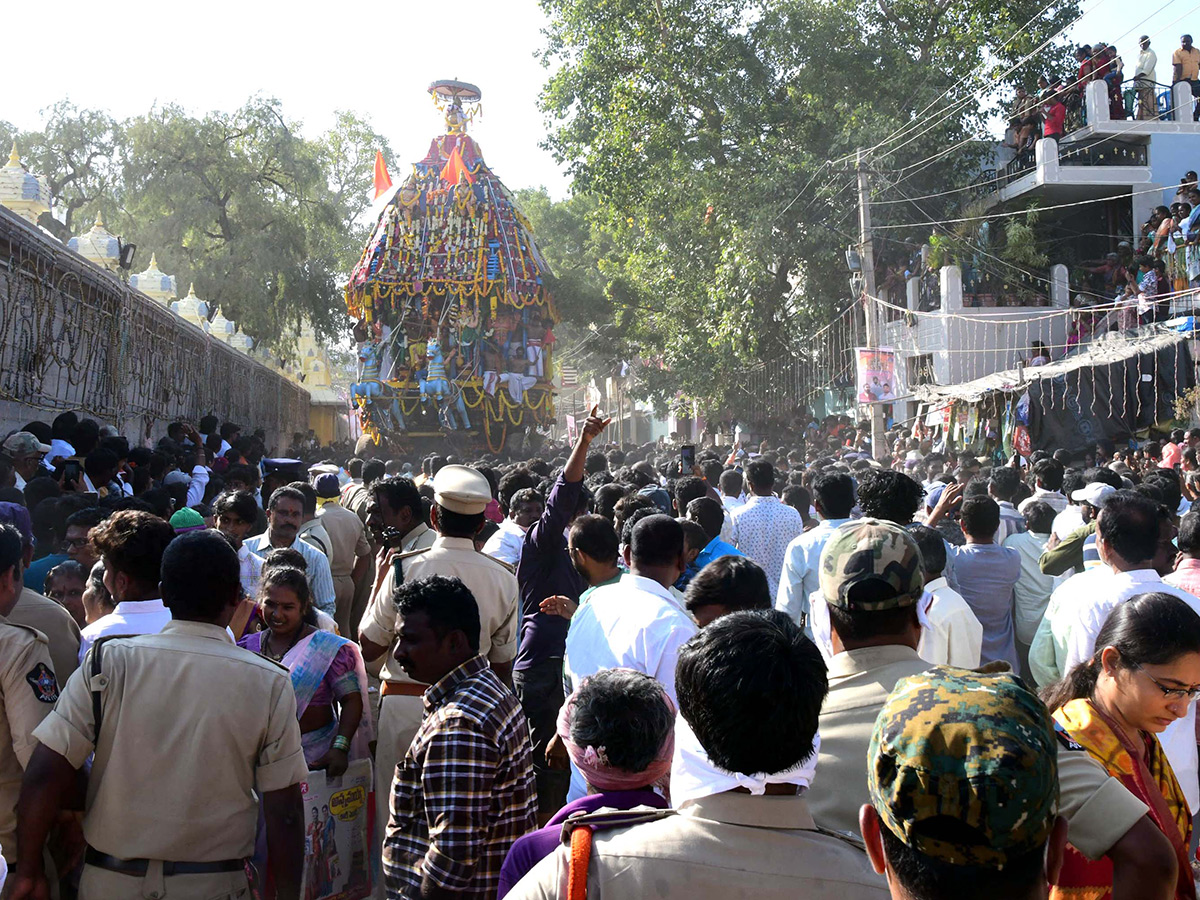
453,312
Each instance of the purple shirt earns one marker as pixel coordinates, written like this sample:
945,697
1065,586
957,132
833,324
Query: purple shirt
544,570
531,849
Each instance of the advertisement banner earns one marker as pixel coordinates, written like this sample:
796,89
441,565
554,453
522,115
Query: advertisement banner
876,371
338,834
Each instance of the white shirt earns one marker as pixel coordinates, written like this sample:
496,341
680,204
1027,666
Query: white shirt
20,481
1147,61
129,617
1070,519
196,486
801,571
1179,739
251,571
952,636
320,577
633,624
765,526
1056,499
732,503
58,447
505,545
1031,593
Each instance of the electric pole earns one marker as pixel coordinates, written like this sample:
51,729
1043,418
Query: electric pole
867,255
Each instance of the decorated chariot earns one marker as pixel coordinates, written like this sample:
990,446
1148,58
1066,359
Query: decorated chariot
454,318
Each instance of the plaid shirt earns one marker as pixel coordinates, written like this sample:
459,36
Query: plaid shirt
464,792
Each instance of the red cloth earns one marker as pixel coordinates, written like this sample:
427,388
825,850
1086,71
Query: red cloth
383,180
1054,120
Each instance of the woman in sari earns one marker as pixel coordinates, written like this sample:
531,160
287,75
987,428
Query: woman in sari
327,671
1143,676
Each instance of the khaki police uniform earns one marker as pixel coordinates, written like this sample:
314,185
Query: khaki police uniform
348,541
28,690
193,728
53,621
495,589
859,683
722,847
314,534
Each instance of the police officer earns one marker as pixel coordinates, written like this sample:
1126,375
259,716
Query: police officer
460,496
189,733
27,690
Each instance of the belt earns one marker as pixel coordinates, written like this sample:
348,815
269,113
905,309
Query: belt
402,689
138,867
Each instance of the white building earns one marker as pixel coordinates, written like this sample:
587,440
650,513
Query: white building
1096,186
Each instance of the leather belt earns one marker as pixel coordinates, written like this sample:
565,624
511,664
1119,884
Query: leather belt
402,689
138,867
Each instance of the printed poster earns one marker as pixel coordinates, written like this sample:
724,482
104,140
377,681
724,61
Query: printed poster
876,375
338,834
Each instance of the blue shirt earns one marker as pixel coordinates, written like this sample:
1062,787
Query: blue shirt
715,549
986,576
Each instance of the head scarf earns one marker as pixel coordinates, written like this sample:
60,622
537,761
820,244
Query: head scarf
592,762
694,776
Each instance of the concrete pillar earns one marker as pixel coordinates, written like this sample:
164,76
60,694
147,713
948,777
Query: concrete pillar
913,291
1095,97
1060,287
1182,102
1045,154
952,288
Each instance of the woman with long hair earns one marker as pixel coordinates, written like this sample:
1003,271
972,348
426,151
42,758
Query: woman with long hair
1143,676
328,674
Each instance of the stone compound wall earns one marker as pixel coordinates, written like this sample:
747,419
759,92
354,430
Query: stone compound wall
75,337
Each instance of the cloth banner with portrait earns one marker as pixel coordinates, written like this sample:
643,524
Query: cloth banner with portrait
876,375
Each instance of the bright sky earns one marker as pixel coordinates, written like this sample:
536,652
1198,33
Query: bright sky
375,58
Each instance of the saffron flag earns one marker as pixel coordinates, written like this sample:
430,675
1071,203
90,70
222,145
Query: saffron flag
454,168
383,180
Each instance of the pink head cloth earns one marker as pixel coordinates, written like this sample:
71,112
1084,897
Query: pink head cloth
593,763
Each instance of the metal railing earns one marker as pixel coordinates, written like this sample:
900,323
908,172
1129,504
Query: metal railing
1023,162
1103,152
983,289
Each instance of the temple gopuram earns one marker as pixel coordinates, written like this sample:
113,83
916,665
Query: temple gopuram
454,321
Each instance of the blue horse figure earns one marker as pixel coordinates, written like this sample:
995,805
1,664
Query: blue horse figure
370,388
435,385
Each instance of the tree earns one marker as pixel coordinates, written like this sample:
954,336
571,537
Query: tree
717,137
265,222
77,152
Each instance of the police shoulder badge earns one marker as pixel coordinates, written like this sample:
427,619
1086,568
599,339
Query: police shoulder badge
44,685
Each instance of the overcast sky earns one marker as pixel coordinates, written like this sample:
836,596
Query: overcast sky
375,58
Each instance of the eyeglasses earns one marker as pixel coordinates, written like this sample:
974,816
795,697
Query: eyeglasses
77,542
1188,693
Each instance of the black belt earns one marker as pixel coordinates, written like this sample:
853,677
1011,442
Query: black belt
138,867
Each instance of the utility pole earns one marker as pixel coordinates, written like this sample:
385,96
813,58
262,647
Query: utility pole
867,255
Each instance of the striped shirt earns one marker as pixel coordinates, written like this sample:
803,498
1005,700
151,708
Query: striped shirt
320,578
464,792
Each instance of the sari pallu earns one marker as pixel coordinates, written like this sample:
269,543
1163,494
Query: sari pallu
309,662
1150,779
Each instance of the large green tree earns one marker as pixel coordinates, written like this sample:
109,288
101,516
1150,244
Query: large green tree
718,137
265,221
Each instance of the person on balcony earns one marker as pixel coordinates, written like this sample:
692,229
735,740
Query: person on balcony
1024,121
1144,79
1185,66
1054,118
1108,67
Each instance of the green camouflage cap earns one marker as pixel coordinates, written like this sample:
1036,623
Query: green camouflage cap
963,767
872,550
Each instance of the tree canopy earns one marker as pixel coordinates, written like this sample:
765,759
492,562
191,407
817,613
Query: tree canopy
716,140
264,220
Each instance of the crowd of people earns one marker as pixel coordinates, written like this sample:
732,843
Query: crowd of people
1044,111
769,672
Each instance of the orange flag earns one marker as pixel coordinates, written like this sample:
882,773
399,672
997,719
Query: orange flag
454,168
383,180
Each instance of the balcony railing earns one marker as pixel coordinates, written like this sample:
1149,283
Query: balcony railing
1018,165
983,289
1103,153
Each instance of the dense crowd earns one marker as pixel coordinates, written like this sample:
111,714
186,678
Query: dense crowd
643,671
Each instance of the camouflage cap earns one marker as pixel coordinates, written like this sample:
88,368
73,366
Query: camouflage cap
871,551
963,767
